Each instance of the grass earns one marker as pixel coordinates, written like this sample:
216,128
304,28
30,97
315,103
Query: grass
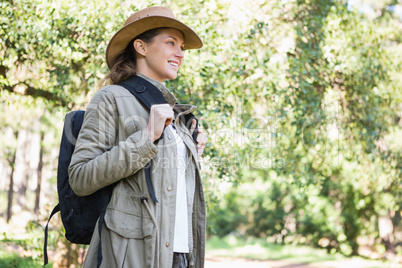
260,249
22,253
8,259
21,242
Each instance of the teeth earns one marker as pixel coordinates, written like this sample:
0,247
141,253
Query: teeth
173,64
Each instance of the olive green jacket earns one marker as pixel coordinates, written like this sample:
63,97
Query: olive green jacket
113,146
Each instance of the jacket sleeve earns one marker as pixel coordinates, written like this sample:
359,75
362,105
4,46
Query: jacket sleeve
100,158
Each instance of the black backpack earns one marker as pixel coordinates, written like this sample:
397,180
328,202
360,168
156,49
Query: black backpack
79,214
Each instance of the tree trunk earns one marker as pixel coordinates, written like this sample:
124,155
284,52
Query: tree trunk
386,231
22,168
10,195
11,186
39,182
68,255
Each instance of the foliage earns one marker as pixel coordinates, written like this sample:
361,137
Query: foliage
48,53
13,260
27,247
228,216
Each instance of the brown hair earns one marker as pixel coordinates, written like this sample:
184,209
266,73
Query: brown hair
125,64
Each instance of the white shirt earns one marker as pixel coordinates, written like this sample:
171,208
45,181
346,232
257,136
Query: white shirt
181,221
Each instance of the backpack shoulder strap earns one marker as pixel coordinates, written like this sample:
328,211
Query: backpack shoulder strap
149,95
54,211
145,91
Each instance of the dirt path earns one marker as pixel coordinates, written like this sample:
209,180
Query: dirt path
223,262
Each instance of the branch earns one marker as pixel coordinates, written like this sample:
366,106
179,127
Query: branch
27,90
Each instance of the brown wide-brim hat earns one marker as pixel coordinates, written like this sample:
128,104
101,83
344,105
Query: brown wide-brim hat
144,20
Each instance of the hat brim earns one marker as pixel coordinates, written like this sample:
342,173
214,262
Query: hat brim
121,39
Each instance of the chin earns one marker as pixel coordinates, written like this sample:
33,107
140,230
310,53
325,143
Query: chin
172,77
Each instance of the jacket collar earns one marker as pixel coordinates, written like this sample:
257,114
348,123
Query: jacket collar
169,97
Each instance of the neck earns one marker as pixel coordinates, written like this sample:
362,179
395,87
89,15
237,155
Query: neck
153,81
144,70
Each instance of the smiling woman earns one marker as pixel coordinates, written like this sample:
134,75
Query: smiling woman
119,137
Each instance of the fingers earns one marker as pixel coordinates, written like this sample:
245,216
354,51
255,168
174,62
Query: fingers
193,126
162,113
202,140
160,116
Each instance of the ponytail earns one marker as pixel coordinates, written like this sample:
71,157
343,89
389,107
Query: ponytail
125,64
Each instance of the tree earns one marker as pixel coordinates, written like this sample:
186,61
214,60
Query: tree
10,153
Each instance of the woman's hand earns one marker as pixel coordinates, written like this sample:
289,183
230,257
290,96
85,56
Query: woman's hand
160,116
201,138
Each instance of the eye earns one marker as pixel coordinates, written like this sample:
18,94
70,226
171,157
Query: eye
171,43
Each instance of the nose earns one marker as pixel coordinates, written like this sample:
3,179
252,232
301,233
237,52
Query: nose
180,53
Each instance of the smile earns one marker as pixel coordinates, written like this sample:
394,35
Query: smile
174,64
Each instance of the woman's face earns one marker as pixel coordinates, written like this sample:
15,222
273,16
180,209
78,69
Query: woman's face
161,58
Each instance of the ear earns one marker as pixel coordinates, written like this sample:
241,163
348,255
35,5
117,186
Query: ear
139,46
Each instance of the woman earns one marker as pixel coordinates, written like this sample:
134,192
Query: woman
120,136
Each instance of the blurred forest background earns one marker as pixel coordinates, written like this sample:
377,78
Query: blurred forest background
301,100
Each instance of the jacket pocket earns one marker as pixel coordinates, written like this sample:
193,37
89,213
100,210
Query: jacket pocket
125,216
